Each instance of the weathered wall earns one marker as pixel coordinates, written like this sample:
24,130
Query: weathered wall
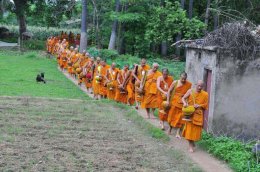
197,60
237,98
235,90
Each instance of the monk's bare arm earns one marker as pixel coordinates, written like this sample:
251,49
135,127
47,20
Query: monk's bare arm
186,95
158,85
170,90
106,75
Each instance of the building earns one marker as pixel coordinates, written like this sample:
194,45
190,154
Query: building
233,84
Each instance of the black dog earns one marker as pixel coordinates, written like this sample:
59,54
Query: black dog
40,78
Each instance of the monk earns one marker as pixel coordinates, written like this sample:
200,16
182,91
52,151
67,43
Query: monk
121,93
70,54
163,84
87,71
75,61
95,81
111,81
63,57
199,99
177,90
83,60
103,86
138,75
149,100
130,87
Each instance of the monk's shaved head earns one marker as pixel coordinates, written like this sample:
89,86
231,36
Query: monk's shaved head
183,77
143,62
165,70
199,85
183,74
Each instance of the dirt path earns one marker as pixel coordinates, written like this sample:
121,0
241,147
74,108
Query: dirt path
204,160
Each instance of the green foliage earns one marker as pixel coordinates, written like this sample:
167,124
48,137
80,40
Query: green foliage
18,73
166,22
33,44
40,33
108,54
127,17
236,154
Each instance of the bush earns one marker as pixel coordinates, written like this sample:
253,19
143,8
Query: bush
34,44
108,54
236,154
40,33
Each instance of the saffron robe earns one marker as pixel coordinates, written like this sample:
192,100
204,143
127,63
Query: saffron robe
193,129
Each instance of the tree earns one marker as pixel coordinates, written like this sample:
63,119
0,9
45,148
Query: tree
20,8
190,8
84,36
165,25
207,15
112,41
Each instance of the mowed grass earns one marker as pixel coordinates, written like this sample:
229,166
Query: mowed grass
18,77
46,134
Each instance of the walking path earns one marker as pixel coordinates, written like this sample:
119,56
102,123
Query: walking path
8,45
204,160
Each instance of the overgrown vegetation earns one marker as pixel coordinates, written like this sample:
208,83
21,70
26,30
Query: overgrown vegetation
239,156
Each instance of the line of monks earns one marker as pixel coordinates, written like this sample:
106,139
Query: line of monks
140,85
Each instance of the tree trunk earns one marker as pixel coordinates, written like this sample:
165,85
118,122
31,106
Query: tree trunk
84,34
178,37
112,41
164,42
20,6
182,4
164,48
216,18
22,24
190,8
207,16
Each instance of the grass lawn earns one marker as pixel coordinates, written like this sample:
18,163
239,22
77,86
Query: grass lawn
18,73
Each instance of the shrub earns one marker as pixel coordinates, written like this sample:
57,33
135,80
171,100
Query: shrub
108,54
34,44
235,153
40,33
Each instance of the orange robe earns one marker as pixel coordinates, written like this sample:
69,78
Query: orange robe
63,59
150,91
130,91
95,84
175,114
102,87
83,62
164,85
192,129
88,71
140,73
121,97
70,54
112,75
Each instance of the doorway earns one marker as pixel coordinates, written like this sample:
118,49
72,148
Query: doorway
207,81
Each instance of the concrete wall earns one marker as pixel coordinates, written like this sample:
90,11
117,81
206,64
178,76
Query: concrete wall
237,102
235,90
197,60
